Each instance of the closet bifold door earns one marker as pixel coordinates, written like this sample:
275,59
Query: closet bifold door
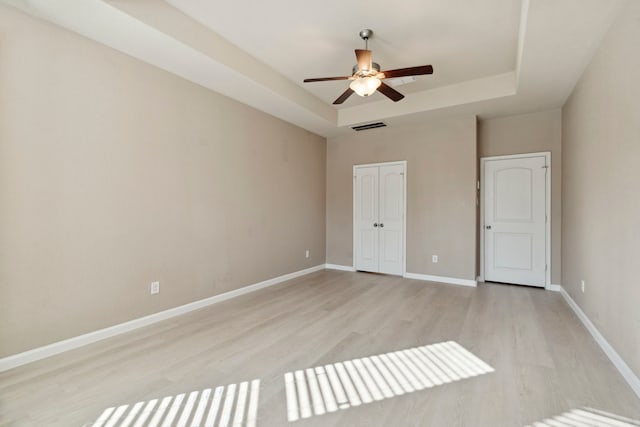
366,206
390,219
379,218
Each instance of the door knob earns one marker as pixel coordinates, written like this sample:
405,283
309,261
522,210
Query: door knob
375,224
488,227
381,225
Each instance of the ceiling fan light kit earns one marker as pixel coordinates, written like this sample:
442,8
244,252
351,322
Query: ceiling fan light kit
365,86
366,77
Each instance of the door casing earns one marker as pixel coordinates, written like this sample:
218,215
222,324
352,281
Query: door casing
404,214
483,161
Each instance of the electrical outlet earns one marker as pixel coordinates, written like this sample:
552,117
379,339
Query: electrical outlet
306,253
434,258
155,288
582,285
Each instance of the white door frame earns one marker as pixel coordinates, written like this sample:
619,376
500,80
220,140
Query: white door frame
547,156
404,213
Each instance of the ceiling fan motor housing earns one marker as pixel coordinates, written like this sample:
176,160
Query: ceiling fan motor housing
376,69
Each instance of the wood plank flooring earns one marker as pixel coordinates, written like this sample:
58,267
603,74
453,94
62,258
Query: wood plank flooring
545,362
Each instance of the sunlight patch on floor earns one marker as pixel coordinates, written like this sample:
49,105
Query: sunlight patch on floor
235,407
586,417
329,388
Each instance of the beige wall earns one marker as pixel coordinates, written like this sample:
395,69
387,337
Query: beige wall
441,174
114,173
601,194
531,133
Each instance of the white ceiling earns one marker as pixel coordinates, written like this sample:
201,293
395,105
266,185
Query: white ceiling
464,39
491,57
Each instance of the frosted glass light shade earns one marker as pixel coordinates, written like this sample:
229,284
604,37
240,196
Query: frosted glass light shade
365,86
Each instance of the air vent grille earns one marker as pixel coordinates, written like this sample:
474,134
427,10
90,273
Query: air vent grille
369,126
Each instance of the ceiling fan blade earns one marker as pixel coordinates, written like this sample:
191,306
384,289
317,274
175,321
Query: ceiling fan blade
325,79
390,92
410,71
364,59
346,94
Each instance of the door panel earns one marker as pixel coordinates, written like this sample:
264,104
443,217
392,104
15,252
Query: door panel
514,195
369,191
389,250
515,220
391,218
367,239
368,248
512,250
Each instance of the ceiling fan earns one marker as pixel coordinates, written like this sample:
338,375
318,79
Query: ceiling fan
367,77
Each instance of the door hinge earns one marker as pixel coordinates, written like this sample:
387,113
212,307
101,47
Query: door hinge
546,267
478,185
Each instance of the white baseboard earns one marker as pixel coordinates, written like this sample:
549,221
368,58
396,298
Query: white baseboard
426,277
441,279
39,353
339,267
624,369
554,288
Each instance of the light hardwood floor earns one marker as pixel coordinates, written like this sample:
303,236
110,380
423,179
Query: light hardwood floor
545,361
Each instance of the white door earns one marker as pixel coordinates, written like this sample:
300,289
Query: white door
379,218
367,237
390,216
515,220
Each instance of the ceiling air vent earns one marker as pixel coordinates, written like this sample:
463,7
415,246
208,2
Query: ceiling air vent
369,126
